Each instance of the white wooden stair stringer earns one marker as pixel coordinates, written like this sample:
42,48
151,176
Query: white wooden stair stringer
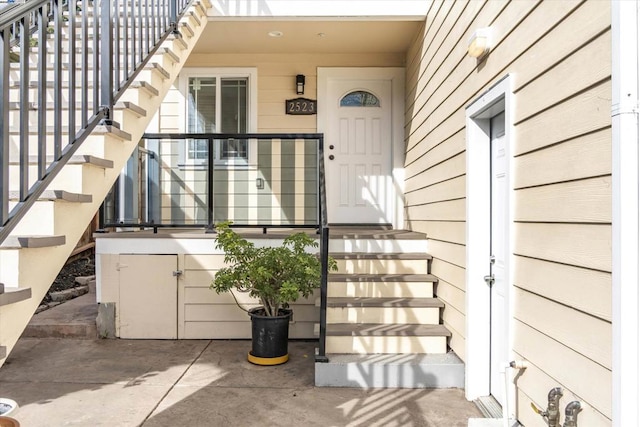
105,153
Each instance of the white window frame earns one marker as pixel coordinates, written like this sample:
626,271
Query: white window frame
251,74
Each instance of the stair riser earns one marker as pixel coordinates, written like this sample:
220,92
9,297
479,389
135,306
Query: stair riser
94,145
14,119
71,178
41,218
377,246
381,289
384,315
381,266
396,345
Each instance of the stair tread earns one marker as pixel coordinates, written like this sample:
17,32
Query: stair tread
355,233
99,130
384,330
335,277
58,195
391,255
120,105
449,358
383,302
18,242
13,295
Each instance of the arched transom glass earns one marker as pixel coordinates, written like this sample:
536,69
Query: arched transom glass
360,98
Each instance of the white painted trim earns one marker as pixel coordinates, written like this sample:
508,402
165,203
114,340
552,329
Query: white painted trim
414,10
227,72
396,76
478,202
626,213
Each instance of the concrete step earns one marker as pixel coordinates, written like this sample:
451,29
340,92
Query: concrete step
75,318
391,371
383,338
384,310
381,286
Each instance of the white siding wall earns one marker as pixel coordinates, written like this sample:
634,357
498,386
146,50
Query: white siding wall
559,56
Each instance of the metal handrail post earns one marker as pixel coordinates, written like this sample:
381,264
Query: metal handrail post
4,125
321,356
106,61
210,160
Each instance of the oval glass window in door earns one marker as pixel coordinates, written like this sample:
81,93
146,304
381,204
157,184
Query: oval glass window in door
360,98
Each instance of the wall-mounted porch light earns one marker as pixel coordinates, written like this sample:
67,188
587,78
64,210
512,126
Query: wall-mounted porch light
480,43
300,84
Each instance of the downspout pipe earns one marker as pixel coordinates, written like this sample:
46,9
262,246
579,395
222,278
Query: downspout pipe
625,212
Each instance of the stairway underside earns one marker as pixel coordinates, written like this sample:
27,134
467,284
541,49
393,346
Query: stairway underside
44,238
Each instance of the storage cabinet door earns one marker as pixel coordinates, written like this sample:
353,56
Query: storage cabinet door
148,296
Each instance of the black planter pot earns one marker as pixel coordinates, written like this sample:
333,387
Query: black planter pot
269,337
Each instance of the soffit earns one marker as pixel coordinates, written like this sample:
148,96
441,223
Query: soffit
310,36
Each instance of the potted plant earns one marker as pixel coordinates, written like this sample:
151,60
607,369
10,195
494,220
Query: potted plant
277,277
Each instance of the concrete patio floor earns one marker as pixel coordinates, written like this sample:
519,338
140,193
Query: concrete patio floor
71,382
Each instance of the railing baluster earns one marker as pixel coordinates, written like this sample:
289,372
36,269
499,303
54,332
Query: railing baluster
125,40
106,59
42,91
57,80
24,107
72,71
4,125
84,42
96,57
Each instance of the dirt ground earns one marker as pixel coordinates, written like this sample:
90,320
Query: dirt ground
84,266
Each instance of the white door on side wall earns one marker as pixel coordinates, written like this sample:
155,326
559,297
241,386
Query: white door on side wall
358,150
499,233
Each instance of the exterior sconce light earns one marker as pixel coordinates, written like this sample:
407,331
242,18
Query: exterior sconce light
300,84
480,43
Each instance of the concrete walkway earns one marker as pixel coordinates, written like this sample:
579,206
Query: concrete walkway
90,382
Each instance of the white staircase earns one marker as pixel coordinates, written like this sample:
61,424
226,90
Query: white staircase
383,321
36,250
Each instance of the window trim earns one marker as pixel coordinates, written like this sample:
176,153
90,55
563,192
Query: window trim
251,74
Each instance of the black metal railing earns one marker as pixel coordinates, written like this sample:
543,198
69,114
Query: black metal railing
63,65
190,175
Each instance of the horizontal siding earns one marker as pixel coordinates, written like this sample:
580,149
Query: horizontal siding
566,325
537,383
578,373
558,56
578,158
205,314
584,289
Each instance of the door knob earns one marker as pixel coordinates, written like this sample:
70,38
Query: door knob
331,157
490,279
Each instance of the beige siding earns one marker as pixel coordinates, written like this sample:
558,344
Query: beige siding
205,314
289,194
558,54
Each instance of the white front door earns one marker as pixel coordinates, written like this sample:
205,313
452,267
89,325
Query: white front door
359,149
498,256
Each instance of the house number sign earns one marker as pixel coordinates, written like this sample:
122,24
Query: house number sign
301,106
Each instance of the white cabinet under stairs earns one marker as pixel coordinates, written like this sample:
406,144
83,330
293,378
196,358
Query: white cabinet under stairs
38,247
383,320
